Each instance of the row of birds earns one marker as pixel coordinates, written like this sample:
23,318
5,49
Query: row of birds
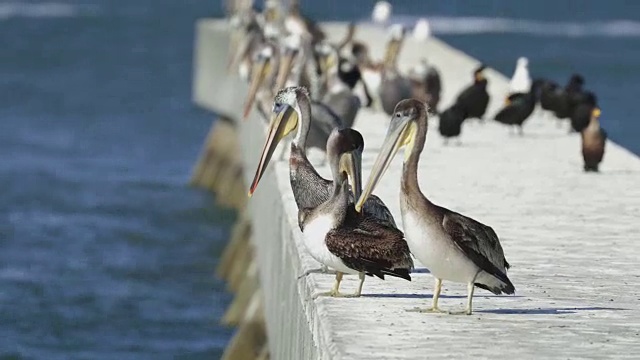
344,225
273,50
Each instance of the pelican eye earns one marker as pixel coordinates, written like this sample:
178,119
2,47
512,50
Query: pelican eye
278,107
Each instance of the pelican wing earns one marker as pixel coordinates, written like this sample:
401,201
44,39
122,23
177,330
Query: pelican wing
479,242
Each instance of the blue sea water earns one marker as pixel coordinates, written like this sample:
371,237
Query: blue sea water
105,253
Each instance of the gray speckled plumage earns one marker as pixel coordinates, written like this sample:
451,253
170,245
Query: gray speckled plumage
310,189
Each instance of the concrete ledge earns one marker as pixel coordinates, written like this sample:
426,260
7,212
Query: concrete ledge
573,238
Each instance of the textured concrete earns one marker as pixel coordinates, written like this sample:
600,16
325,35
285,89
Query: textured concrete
572,238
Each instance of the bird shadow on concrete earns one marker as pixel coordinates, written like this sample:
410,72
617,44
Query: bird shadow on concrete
546,311
429,296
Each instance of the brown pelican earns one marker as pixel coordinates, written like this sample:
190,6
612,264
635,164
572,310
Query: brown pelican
452,246
594,139
339,237
292,111
393,86
339,96
245,38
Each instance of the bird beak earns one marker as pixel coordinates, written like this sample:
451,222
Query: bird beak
282,123
479,76
392,49
285,69
596,112
351,163
400,133
260,70
507,102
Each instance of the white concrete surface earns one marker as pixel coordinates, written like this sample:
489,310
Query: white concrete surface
573,239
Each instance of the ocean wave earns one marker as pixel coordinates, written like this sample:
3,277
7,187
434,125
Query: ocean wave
43,10
452,25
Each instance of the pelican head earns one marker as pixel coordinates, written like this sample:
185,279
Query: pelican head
285,118
402,132
381,12
344,153
263,66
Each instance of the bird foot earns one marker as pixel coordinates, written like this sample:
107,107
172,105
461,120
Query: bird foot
335,294
461,312
427,310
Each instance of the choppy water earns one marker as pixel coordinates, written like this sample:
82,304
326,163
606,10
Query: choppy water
104,252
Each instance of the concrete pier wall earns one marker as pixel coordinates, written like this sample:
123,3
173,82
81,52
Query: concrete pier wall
573,238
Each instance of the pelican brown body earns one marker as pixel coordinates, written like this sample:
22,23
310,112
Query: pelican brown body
339,237
452,246
594,139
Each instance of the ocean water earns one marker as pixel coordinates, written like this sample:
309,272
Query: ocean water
105,253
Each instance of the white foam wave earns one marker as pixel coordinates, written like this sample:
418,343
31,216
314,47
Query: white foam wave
451,25
42,10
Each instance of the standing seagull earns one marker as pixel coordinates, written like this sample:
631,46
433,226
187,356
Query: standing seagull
452,246
594,139
339,237
520,82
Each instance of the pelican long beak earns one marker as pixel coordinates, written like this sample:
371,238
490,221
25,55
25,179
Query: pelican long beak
351,163
285,69
390,54
400,133
260,70
282,123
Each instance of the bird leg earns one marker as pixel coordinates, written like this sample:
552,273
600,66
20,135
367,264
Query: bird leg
520,132
335,292
470,289
458,142
436,295
359,291
446,141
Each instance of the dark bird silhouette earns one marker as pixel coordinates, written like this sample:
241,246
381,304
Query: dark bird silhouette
585,103
594,139
451,122
475,98
519,107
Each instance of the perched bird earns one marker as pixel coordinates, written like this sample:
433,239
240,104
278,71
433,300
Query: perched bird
584,105
340,238
519,107
452,246
263,75
594,139
475,98
292,110
520,81
339,97
566,98
548,97
426,84
393,85
451,122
